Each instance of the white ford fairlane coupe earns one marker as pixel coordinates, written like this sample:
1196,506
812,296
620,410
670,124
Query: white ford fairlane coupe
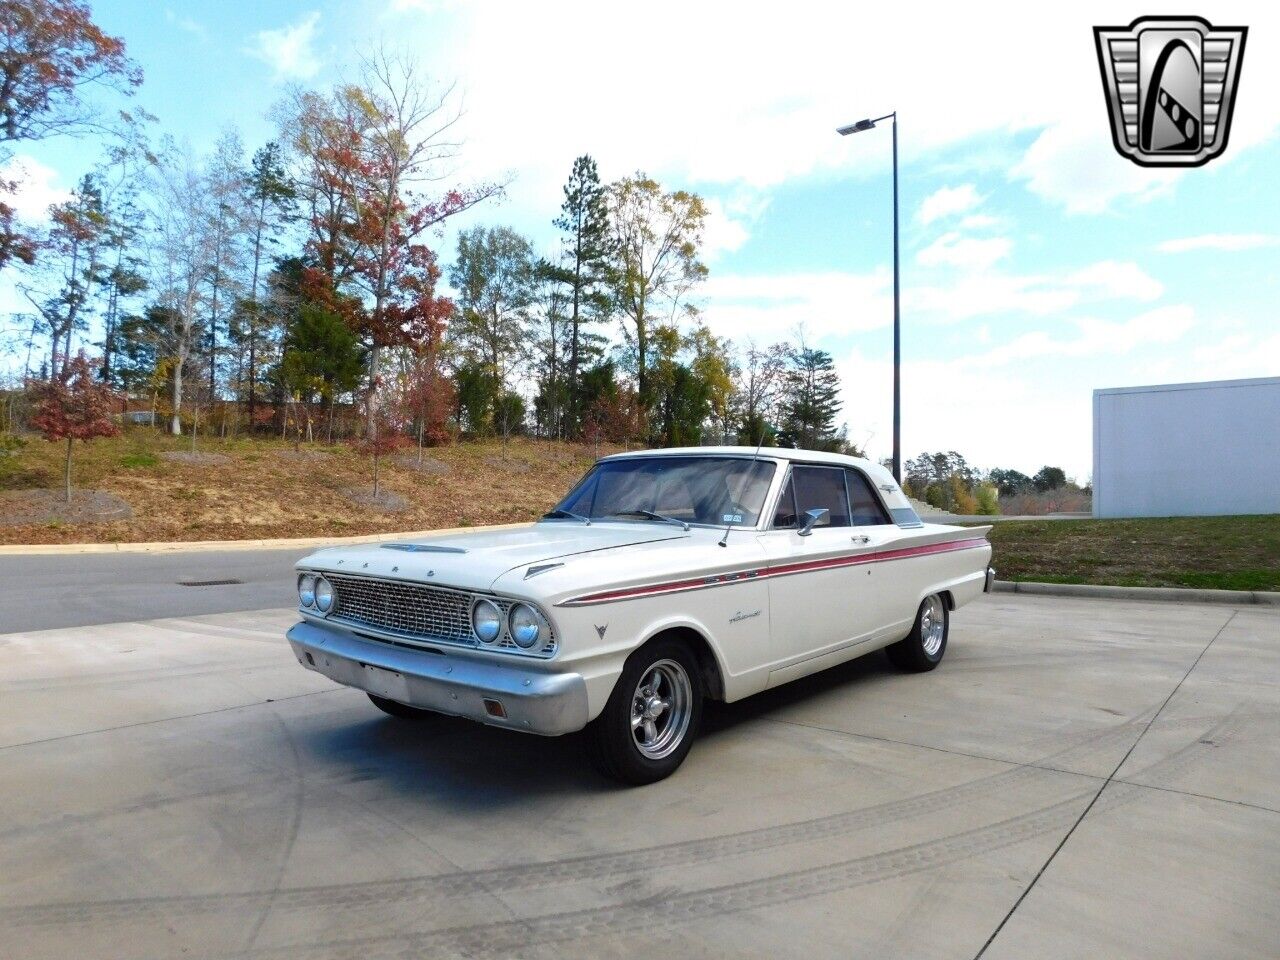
663,578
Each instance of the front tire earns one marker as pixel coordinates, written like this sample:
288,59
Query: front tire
400,710
924,646
647,727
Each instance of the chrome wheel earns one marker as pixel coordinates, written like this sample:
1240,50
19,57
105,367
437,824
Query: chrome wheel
933,625
661,709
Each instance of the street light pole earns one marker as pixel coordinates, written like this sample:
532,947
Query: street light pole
858,127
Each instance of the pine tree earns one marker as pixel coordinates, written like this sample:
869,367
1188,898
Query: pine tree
271,196
584,219
810,402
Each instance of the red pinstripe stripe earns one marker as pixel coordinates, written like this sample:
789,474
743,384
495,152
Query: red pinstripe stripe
782,570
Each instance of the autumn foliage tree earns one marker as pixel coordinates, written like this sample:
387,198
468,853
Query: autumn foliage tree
73,406
370,157
655,265
51,53
386,437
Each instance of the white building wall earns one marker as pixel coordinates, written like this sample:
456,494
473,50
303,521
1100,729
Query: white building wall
1187,449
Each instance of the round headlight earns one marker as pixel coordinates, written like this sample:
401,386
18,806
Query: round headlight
307,590
324,595
526,624
486,620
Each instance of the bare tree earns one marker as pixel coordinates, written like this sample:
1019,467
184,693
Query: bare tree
180,258
759,383
228,224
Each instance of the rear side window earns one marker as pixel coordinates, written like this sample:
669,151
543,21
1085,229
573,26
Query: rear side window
865,508
820,487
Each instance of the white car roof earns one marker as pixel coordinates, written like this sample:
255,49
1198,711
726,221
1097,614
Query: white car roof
766,453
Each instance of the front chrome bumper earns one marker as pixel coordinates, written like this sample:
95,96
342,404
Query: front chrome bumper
531,701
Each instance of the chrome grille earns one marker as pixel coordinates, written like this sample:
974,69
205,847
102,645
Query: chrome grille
417,611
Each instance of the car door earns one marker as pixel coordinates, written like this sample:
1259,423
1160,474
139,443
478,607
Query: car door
873,537
816,598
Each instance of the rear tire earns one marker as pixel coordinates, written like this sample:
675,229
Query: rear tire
924,646
647,727
400,710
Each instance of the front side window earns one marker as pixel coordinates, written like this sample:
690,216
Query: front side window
715,491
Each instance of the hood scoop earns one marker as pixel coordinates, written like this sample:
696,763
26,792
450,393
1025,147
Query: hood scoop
421,548
538,568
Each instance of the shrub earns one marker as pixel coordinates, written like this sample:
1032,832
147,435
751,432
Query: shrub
988,500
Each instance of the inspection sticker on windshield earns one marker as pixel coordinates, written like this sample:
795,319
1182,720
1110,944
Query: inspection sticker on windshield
732,518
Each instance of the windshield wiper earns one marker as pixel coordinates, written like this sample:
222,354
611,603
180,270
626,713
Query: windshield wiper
650,515
558,514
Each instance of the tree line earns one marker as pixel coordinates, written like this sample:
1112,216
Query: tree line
946,480
297,287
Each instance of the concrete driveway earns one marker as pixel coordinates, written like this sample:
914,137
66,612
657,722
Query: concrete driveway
1081,778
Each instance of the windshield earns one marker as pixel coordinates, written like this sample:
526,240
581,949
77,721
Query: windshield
715,491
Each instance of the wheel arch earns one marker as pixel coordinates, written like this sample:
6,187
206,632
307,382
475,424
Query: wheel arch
709,668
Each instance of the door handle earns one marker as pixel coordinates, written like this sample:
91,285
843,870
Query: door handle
861,538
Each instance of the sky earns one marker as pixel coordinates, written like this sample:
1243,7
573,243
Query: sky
1036,263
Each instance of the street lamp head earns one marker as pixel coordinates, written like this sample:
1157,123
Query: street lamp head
856,127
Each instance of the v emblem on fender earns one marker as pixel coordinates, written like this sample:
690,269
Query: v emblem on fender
600,630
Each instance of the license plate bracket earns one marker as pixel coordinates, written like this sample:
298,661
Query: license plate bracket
386,683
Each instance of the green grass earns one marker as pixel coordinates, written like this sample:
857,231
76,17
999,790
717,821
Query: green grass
1223,553
135,461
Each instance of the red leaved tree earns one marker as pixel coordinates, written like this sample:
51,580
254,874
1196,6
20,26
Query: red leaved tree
74,406
427,397
51,54
371,155
384,437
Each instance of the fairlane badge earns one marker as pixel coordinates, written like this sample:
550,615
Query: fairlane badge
743,616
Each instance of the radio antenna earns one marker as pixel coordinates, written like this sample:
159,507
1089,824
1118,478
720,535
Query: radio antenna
755,457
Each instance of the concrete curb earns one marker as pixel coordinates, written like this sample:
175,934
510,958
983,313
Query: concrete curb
1167,594
204,546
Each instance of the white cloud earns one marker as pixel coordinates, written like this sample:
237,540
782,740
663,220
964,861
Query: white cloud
1093,338
1219,241
953,249
993,292
1069,163
1116,279
768,100
949,201
289,50
37,187
729,222
978,221
185,23
771,307
989,399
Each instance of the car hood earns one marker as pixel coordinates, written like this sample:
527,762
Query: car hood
473,561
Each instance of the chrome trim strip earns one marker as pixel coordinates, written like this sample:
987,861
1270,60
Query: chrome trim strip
781,570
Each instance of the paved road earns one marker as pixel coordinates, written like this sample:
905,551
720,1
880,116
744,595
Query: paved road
1080,778
40,593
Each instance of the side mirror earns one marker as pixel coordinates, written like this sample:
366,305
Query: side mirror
811,517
